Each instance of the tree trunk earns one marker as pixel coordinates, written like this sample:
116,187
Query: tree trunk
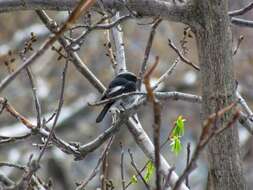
218,90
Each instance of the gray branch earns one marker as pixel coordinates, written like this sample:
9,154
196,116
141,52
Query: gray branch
167,10
242,22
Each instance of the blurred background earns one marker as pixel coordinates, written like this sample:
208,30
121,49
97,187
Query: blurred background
77,119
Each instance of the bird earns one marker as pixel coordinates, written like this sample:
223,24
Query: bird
124,82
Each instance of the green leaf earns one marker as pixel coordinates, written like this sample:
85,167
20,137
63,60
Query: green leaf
175,144
134,179
149,172
178,130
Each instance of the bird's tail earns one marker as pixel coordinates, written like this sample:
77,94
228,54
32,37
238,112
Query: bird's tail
101,115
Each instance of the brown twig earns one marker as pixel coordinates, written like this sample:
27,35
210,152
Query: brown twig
187,163
239,41
96,169
11,110
157,121
147,50
78,63
141,170
64,146
185,60
137,170
123,182
36,99
82,7
57,113
104,173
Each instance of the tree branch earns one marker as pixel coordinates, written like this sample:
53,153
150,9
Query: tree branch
167,10
242,22
241,11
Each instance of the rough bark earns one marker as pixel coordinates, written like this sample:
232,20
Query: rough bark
218,89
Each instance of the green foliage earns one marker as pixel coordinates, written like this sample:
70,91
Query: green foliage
176,135
149,171
175,144
178,130
134,179
150,168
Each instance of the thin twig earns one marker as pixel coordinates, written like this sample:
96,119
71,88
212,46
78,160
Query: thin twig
166,74
241,11
7,164
187,163
185,60
10,109
205,138
123,182
141,170
4,139
96,169
57,113
82,7
104,175
61,144
147,51
75,58
36,99
137,170
157,121
239,41
105,26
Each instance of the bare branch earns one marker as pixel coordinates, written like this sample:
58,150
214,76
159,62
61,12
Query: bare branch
2,164
242,22
77,61
166,74
123,182
96,169
166,9
242,10
57,113
4,139
117,35
141,138
157,121
144,142
137,170
244,105
81,8
239,41
105,26
36,99
147,51
185,60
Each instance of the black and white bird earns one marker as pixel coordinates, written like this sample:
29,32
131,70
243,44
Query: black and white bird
123,83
